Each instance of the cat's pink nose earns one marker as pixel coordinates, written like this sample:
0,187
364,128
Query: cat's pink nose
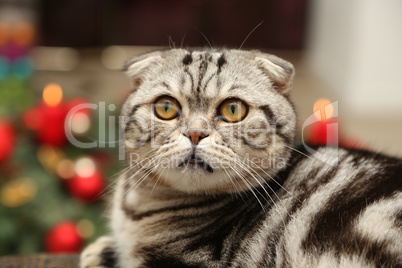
195,136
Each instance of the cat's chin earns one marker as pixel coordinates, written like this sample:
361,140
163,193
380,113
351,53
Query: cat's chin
194,164
193,178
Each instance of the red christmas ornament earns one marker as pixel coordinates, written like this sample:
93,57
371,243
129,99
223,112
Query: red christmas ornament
48,123
86,188
7,139
63,238
324,132
47,119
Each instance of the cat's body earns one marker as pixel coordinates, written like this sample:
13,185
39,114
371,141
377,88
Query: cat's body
214,180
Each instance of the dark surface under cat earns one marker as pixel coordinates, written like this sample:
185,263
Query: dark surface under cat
40,261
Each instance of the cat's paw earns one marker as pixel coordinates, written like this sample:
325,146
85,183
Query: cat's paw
99,254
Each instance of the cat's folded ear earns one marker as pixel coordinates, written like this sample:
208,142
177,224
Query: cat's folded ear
137,67
279,71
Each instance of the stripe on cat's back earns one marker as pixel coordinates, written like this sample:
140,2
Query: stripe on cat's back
317,182
334,224
241,221
157,259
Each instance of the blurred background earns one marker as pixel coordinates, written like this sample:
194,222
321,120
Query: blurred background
55,55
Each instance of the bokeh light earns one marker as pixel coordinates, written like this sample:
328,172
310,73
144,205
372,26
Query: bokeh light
52,94
18,192
23,33
323,109
85,228
4,33
85,167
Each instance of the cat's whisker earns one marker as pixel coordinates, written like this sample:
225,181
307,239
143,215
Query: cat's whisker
249,186
237,190
183,39
156,182
129,168
127,179
267,184
144,177
203,35
131,165
274,180
252,175
252,31
171,42
138,182
140,169
298,151
245,180
154,160
246,167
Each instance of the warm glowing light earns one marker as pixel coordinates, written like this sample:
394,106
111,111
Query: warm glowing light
65,169
85,167
24,33
323,109
49,156
52,94
4,33
80,123
18,192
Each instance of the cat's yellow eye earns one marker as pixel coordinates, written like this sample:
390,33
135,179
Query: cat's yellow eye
166,108
232,110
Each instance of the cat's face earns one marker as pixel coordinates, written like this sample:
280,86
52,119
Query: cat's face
208,121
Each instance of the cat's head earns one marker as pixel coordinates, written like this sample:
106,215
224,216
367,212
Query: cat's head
208,121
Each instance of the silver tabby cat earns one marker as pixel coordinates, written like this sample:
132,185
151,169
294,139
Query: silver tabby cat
214,179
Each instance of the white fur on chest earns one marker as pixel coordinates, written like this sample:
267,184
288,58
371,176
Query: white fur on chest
126,232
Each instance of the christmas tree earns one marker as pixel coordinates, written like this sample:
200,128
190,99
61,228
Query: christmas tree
50,190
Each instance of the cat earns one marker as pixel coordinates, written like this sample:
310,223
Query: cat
214,178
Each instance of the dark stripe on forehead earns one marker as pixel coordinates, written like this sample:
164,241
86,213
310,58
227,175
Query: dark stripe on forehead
207,82
221,62
237,86
188,59
186,70
202,70
167,86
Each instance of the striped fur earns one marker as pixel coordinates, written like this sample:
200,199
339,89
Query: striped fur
268,204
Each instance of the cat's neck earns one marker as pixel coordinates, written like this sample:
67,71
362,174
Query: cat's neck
151,196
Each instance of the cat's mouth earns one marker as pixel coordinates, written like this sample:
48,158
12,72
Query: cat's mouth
196,162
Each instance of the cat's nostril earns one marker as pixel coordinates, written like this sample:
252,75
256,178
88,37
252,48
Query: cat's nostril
195,136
